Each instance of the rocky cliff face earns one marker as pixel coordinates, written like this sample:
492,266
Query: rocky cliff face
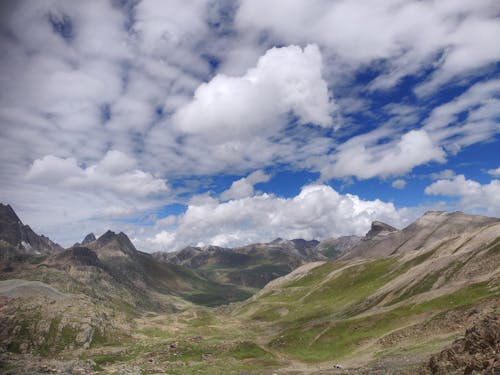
478,352
21,237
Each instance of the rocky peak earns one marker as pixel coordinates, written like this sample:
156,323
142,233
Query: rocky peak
379,227
7,214
21,236
88,238
114,241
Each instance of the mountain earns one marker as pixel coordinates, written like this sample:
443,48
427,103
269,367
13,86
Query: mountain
88,238
424,299
448,227
17,237
394,295
251,266
332,248
128,265
78,297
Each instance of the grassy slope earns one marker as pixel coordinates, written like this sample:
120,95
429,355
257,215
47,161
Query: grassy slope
322,320
251,271
337,311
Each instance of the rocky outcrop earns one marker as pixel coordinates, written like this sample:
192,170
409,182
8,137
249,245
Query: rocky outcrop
477,353
21,237
88,238
379,228
80,256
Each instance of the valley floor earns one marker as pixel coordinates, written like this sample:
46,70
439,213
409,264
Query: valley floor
212,341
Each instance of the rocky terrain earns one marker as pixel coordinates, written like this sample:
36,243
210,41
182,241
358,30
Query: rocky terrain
477,352
16,237
424,299
251,266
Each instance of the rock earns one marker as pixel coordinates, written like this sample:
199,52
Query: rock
475,353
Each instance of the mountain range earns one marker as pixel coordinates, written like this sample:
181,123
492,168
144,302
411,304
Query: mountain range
390,302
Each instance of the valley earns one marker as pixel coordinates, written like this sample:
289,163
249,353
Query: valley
389,302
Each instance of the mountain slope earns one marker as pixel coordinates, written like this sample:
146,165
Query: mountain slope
444,269
427,230
251,266
16,237
333,248
128,265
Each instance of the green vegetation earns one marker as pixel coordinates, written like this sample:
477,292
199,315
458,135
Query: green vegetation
246,350
336,339
421,286
315,296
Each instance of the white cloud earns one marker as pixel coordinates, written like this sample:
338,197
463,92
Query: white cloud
473,196
470,118
285,80
398,184
446,174
92,76
244,187
407,35
318,211
116,172
495,172
363,160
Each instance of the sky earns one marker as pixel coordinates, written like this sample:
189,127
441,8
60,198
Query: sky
195,122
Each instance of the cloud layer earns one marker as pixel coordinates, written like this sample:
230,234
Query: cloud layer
102,102
317,212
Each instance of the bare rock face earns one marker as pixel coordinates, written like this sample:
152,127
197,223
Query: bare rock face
88,238
14,233
379,228
477,353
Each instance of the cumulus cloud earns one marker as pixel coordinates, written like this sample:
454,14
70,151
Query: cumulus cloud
398,184
285,80
495,172
355,158
318,211
116,172
473,195
244,187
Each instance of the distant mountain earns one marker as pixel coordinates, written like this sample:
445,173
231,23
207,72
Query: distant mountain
383,240
128,265
88,238
17,236
332,248
251,266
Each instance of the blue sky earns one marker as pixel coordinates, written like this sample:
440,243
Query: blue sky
222,122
